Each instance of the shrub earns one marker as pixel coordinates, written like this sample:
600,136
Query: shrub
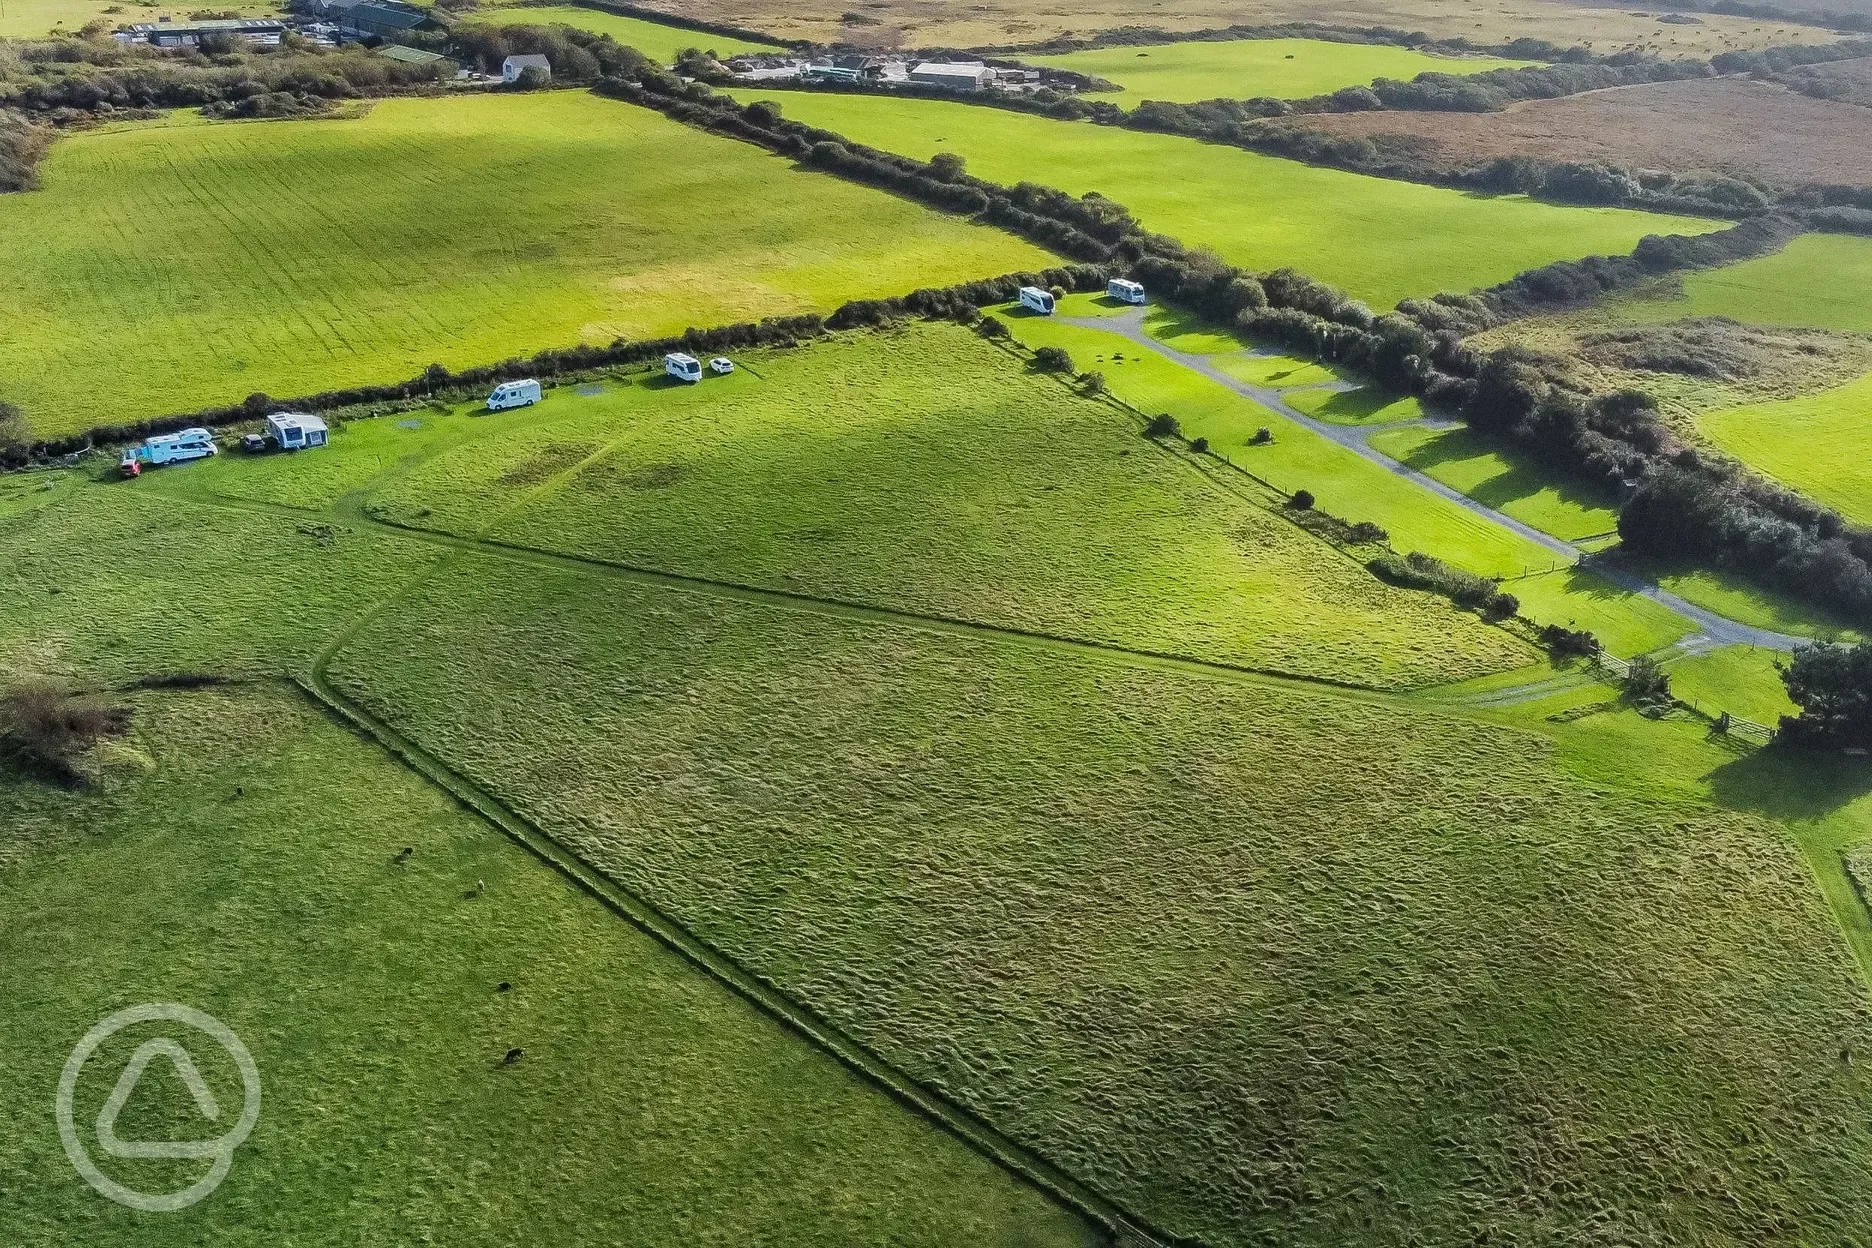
1647,683
46,729
1262,436
1365,533
1053,360
1302,500
992,327
1568,643
1832,686
1163,425
1200,446
1093,383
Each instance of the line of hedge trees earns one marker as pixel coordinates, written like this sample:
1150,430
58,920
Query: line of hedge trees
955,302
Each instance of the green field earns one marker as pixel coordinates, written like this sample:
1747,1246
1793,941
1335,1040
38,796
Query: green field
1739,679
1818,281
1244,69
167,269
927,472
245,863
1354,489
1379,240
1227,951
1820,445
1518,488
654,39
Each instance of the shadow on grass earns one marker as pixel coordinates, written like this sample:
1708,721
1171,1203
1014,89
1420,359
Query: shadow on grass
1786,783
1521,479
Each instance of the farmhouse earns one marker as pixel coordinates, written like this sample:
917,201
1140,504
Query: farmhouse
383,19
514,66
957,77
167,34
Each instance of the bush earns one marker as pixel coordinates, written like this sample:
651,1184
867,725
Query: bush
1647,683
1365,533
1163,426
1093,383
992,327
1564,642
1200,446
1053,360
46,729
1262,436
1302,500
1832,686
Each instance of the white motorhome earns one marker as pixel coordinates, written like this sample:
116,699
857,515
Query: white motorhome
1036,300
1124,290
295,431
167,448
682,366
514,394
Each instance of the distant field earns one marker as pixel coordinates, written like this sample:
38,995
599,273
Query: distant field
926,471
1714,125
1221,949
166,269
653,39
244,864
1246,68
1380,240
1820,444
943,23
1819,281
33,19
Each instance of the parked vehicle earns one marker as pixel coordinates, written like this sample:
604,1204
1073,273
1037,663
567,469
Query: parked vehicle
253,443
722,365
511,394
1124,290
1036,300
295,431
682,367
167,448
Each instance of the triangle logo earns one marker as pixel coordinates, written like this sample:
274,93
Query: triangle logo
179,1058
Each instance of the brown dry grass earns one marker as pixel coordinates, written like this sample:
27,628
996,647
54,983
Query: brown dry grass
953,23
1842,80
1714,125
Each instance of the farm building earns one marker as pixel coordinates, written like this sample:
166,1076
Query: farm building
383,19
411,56
824,72
293,431
958,77
167,34
514,66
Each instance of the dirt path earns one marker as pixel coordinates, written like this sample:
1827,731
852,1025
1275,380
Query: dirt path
1356,438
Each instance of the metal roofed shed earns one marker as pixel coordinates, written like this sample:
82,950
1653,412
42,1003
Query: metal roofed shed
409,56
514,66
296,431
385,19
958,77
168,34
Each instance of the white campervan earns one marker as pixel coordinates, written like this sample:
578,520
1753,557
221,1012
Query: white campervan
514,394
682,367
1036,300
1124,290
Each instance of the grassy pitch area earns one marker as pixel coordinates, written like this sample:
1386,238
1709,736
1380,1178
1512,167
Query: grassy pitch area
1818,444
655,40
166,269
1818,281
1379,240
1242,69
354,927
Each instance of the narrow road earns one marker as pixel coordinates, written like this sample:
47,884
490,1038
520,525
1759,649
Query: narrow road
1719,628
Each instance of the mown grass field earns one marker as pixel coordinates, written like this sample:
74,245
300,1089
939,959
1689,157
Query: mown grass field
929,471
243,859
1818,281
1456,458
1243,69
1354,489
655,40
1379,240
1820,444
1266,965
163,270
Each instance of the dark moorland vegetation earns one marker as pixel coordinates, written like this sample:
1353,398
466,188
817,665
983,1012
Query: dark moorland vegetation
47,729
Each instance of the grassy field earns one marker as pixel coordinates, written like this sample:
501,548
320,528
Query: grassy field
33,19
460,231
1354,489
1818,281
943,23
246,864
1227,951
1819,445
1518,488
1247,68
653,39
929,471
1379,240
1739,679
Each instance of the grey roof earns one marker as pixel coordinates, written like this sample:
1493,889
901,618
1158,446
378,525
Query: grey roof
386,14
528,60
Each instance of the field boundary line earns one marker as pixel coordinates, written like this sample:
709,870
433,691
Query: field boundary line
761,993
